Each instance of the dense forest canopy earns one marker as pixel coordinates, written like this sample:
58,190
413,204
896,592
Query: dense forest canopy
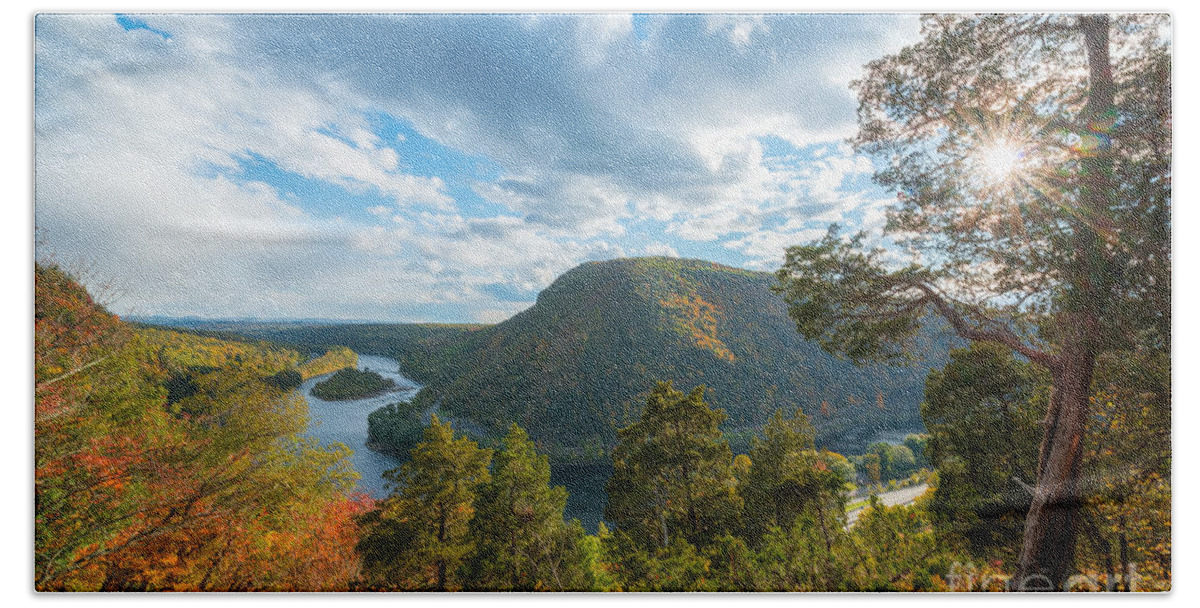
219,491
351,383
170,461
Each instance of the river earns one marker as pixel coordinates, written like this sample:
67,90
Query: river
346,422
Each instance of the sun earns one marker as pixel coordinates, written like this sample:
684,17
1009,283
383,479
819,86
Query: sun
1000,162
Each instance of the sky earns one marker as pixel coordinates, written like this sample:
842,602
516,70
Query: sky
439,167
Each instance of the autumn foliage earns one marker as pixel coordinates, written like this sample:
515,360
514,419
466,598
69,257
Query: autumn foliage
164,462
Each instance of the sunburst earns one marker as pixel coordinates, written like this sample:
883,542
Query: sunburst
1002,162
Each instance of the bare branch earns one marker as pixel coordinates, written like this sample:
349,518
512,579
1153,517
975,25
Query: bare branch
965,330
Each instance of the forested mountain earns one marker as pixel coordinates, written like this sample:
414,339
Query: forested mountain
577,365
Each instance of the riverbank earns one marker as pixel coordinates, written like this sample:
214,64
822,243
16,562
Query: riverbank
345,422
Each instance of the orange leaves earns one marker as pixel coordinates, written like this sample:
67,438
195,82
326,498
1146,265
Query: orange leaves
212,492
696,319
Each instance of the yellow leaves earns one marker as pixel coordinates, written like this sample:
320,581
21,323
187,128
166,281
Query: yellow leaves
696,319
333,360
183,350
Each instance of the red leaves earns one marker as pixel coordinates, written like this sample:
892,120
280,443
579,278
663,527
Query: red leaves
135,495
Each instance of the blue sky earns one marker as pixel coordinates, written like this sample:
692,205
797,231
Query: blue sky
436,167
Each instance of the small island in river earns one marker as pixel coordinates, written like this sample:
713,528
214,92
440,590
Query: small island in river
350,383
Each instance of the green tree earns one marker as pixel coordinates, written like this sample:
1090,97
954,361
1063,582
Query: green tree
1127,519
672,473
1032,158
418,538
803,557
895,461
916,444
872,466
982,412
897,549
732,565
787,476
521,540
677,567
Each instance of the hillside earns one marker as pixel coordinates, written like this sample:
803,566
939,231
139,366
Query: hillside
576,366
158,452
382,339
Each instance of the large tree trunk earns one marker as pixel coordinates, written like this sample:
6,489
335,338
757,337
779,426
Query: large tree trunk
1048,550
1047,557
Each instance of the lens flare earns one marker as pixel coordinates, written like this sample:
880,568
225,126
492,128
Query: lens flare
1000,162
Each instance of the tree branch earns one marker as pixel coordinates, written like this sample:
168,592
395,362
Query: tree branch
969,332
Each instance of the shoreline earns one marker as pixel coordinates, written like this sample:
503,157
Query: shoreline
370,395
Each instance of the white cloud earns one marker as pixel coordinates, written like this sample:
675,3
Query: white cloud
765,248
660,249
738,28
593,129
124,137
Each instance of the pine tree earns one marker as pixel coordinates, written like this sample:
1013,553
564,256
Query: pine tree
522,542
982,417
783,440
1031,157
672,473
419,538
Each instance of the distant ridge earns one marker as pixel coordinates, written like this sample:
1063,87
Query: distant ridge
196,322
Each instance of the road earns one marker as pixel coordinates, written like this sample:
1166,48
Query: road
903,496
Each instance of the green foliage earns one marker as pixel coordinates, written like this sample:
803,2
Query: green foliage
522,543
452,524
1127,461
982,411
872,467
842,297
732,565
395,428
419,538
164,462
395,341
672,473
336,358
595,560
350,383
676,567
893,462
916,443
1030,155
286,380
898,550
776,463
575,367
791,484
804,557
